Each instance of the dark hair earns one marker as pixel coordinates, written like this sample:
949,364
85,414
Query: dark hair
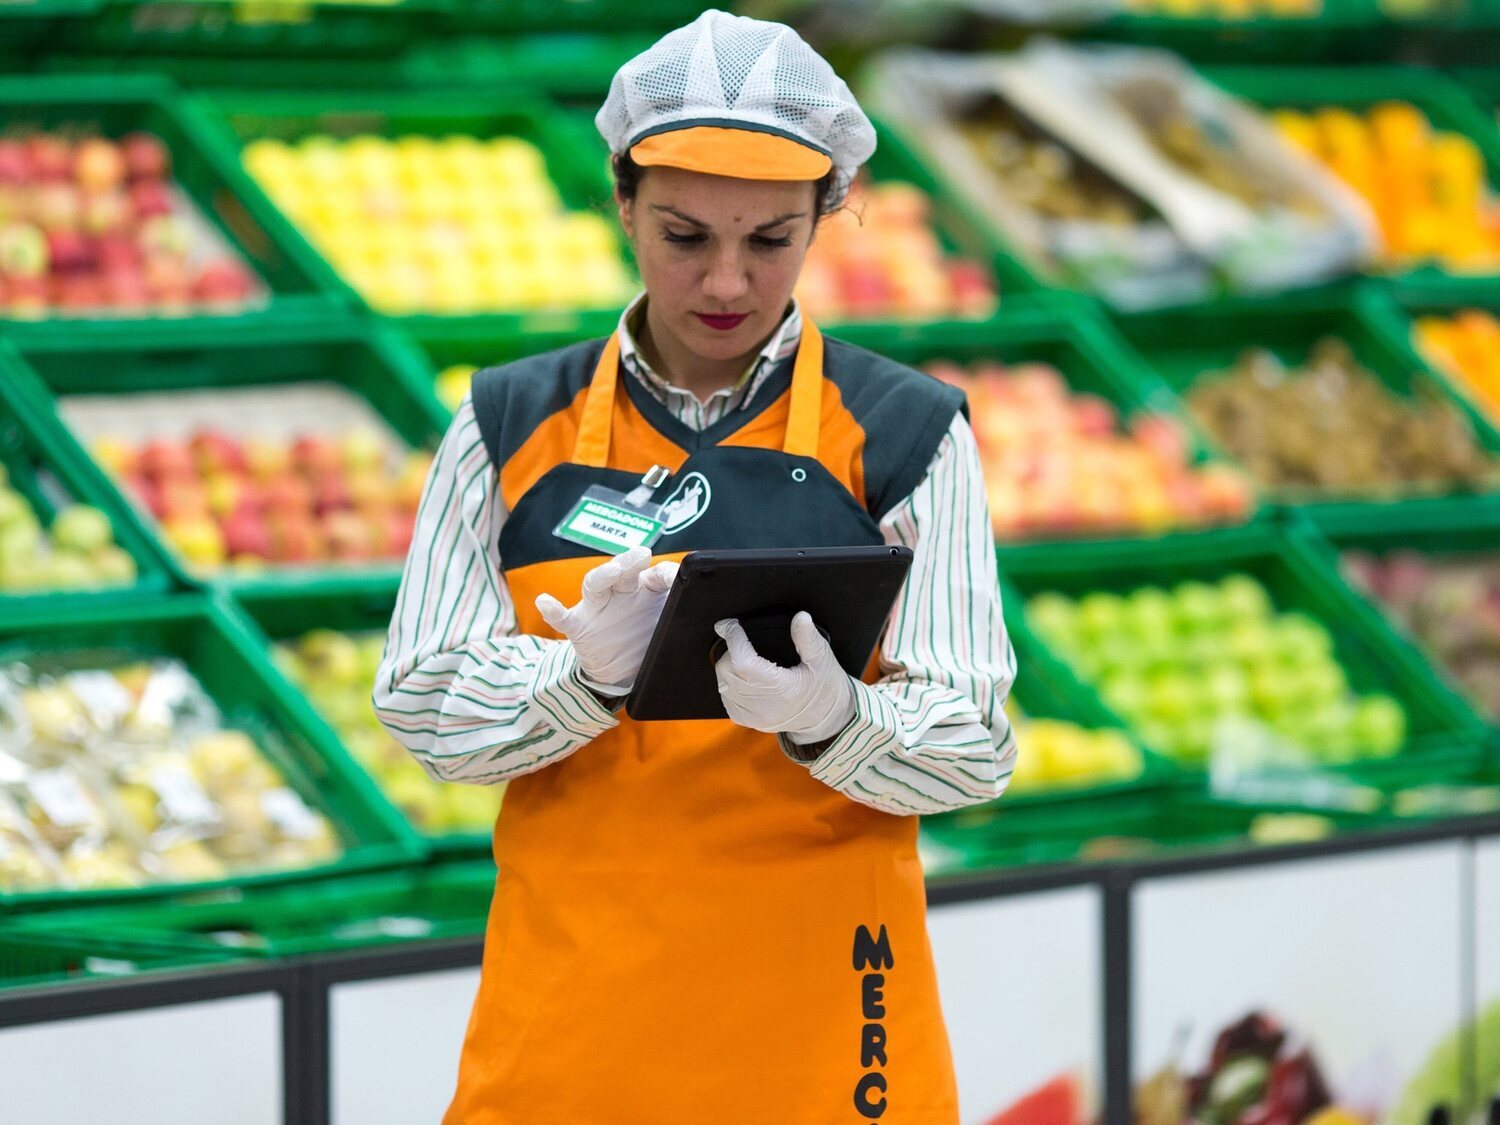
628,181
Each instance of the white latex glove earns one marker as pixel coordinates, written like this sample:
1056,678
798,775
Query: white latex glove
809,703
612,623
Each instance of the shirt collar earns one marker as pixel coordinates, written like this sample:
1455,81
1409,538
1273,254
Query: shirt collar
782,344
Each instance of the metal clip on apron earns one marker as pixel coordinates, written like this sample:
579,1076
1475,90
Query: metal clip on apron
687,927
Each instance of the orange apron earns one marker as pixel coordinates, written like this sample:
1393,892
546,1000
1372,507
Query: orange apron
687,927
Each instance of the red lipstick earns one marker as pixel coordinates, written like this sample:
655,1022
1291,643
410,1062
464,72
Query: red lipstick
722,322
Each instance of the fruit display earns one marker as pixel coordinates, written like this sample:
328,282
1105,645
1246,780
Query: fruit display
880,259
1466,346
453,383
1460,1080
1428,189
93,225
1256,1074
450,225
1056,754
309,498
77,552
1330,428
1227,10
337,673
1063,463
1202,669
1451,606
120,771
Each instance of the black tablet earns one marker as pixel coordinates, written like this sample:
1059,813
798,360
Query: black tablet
848,590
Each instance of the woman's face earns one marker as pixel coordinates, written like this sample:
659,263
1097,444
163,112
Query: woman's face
718,256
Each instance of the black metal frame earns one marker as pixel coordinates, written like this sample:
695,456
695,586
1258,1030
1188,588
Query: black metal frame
303,984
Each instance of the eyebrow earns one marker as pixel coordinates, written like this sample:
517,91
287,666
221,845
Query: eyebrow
701,225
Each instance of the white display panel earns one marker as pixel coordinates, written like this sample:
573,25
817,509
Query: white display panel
407,1031
1358,957
1022,989
1487,963
213,1061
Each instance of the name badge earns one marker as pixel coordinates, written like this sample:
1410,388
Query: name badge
613,522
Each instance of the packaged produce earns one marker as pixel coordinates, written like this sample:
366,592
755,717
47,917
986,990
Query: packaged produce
93,226
78,551
295,475
446,225
1451,606
123,773
1069,218
1466,346
1062,463
1227,10
880,259
337,672
1428,189
1330,428
1203,670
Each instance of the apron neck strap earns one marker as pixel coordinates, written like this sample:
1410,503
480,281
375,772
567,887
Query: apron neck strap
591,448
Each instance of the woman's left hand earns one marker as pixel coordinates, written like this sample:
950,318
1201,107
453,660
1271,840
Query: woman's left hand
809,703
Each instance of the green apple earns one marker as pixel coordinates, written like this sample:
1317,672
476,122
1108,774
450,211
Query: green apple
67,570
1126,693
1379,726
1052,616
1225,688
21,536
1300,640
81,528
1321,683
114,567
1101,614
1196,607
1330,734
1250,643
1242,598
1272,689
329,657
1171,697
13,506
1150,614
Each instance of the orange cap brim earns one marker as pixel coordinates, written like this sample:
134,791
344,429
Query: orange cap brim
744,154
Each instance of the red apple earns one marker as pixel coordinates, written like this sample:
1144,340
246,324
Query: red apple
50,157
348,536
1094,416
105,212
70,251
266,459
163,458
246,533
331,494
118,252
296,538
397,529
1226,492
1161,436
150,198
58,206
215,452
184,498
146,158
79,292
23,250
146,494
225,491
317,456
98,165
166,234
288,495
15,165
125,289
222,282
27,297
164,274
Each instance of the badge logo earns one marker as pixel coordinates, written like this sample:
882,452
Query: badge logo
688,501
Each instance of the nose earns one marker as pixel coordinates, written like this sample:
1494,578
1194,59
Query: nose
728,278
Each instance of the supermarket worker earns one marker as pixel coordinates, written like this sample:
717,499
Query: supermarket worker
707,922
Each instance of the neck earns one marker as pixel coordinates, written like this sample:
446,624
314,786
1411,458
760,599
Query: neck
682,367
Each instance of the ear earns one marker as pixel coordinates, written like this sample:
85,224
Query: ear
626,208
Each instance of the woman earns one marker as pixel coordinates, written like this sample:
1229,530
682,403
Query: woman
716,921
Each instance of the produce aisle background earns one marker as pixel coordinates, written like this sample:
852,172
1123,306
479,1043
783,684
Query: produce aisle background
1221,280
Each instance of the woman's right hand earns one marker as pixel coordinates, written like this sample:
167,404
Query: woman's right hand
612,623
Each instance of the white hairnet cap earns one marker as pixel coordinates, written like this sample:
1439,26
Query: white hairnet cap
735,96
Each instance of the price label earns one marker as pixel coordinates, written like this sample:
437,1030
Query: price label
182,796
105,697
290,814
64,801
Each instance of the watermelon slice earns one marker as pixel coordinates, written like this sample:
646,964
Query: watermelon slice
1058,1102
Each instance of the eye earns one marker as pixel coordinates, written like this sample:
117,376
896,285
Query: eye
765,242
682,239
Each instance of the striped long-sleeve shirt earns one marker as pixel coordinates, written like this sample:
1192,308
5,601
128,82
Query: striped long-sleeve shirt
477,701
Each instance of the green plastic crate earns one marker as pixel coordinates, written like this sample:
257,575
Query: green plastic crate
237,118
1445,104
512,16
233,669
574,67
372,360
335,915
316,28
29,960
1129,827
1298,577
42,465
1181,347
348,605
224,195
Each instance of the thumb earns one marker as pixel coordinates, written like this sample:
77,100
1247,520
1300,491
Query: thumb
552,611
741,651
810,645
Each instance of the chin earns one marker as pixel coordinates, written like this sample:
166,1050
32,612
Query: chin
712,344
